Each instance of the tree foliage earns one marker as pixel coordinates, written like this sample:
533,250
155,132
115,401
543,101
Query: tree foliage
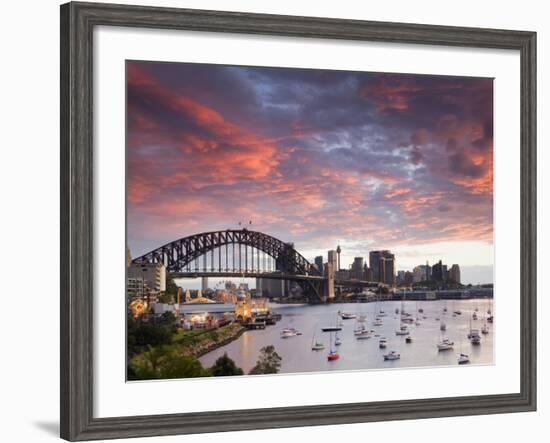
164,362
269,362
224,366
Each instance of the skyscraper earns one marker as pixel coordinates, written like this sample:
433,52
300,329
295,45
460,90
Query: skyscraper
382,264
454,273
333,259
357,268
319,263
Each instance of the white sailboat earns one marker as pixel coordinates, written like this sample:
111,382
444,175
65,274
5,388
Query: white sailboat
316,345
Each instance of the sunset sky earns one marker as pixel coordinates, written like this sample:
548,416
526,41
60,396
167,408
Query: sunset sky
314,157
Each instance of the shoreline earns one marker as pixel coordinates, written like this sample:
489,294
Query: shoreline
203,349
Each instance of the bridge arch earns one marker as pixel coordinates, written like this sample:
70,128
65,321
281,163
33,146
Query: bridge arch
176,256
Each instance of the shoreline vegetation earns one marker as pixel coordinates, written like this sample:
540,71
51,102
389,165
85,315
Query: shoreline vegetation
160,350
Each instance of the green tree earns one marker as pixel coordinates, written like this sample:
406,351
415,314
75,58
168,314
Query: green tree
224,366
269,361
166,297
163,362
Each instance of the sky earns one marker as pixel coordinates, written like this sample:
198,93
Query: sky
314,157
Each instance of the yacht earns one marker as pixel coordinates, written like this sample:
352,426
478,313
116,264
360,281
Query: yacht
392,356
463,359
445,345
403,330
317,346
363,335
289,332
332,355
347,315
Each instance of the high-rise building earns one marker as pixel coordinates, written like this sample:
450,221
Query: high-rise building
439,271
333,259
357,268
368,273
319,263
422,273
454,273
382,264
152,274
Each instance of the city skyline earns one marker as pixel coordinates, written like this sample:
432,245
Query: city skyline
319,158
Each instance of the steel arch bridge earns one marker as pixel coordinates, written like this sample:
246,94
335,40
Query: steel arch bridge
222,251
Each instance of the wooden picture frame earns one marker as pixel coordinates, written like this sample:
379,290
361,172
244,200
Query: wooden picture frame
77,23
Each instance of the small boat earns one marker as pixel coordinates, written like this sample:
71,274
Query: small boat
362,318
332,355
392,355
408,339
474,336
420,310
437,319
457,312
337,341
476,309
363,335
378,322
316,345
488,312
490,319
382,343
417,322
397,310
474,316
403,330
442,326
484,330
463,359
445,345
289,332
348,315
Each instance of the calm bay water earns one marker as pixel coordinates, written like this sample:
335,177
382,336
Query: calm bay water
365,354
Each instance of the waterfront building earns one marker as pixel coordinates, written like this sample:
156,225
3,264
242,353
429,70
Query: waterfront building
454,273
136,288
368,273
152,274
382,264
439,272
422,273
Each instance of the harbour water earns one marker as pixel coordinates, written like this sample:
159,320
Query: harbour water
297,355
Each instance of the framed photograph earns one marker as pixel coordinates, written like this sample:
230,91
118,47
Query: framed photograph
273,221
